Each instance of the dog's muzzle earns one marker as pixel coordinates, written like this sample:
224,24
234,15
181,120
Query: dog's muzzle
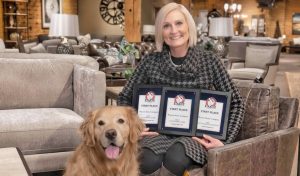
112,151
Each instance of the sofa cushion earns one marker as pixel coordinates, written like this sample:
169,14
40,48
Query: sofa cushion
51,42
37,131
38,49
246,73
28,83
261,110
258,57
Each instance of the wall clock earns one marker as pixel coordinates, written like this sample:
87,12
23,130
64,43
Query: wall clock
112,11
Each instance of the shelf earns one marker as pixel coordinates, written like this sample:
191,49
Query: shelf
16,28
16,14
14,41
14,0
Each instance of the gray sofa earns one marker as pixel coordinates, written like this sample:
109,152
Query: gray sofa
42,103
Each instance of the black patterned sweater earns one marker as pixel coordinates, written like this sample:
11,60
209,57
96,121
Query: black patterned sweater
200,69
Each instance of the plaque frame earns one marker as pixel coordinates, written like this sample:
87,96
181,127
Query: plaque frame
225,98
140,89
170,92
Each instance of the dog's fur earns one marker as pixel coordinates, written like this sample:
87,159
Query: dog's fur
108,126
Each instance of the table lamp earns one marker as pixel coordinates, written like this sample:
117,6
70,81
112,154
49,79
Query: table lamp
221,27
64,25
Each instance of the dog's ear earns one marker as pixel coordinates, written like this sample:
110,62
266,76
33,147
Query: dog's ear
87,129
136,125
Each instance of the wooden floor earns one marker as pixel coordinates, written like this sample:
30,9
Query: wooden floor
288,80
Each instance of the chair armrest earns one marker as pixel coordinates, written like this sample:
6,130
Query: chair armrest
271,64
235,59
89,89
234,62
267,154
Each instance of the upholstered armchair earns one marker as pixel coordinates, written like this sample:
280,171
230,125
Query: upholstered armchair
254,61
267,141
42,104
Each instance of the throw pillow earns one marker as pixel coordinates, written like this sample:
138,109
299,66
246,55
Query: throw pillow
65,48
296,41
83,42
38,49
258,57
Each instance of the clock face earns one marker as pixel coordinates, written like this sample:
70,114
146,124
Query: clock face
112,11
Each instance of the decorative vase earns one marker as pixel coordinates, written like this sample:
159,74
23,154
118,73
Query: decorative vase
14,36
11,21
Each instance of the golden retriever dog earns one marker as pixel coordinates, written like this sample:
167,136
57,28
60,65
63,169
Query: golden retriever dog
110,144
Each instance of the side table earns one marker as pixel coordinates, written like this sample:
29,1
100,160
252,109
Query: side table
112,94
12,162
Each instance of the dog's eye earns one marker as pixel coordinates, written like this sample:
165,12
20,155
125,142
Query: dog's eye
100,123
121,121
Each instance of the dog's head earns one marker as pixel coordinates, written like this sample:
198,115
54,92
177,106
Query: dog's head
112,129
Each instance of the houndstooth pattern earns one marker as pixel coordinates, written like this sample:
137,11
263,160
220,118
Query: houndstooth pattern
200,69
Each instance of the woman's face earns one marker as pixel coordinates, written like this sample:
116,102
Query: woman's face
175,30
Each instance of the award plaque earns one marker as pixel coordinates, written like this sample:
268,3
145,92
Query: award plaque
146,100
213,112
177,111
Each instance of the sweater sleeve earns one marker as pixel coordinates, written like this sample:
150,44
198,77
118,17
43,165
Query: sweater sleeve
223,82
138,76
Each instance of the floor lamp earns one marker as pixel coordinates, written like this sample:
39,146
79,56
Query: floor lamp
221,27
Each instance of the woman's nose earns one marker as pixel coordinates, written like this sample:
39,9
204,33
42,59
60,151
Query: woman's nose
174,29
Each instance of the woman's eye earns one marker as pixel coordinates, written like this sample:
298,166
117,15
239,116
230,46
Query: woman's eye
179,23
166,26
100,123
121,121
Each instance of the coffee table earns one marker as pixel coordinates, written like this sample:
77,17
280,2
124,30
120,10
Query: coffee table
12,163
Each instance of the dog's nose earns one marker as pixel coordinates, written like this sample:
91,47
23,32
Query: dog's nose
111,134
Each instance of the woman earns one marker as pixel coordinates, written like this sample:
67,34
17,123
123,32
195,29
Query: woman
179,62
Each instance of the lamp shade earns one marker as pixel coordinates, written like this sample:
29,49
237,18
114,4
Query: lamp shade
148,29
221,27
64,25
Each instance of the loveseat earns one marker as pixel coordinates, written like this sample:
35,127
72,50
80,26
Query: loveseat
267,141
43,101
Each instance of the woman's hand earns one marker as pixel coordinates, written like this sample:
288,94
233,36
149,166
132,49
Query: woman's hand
208,142
146,132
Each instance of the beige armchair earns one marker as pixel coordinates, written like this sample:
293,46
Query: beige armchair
42,104
267,141
254,61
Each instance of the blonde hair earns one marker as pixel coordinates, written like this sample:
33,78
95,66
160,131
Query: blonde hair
163,12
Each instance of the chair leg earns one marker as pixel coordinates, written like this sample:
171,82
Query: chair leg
165,172
156,173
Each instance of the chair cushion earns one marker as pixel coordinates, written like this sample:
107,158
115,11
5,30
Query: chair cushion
262,109
274,49
36,83
258,57
37,131
246,73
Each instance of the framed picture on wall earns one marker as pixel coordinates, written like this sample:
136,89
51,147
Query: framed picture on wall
50,7
296,24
